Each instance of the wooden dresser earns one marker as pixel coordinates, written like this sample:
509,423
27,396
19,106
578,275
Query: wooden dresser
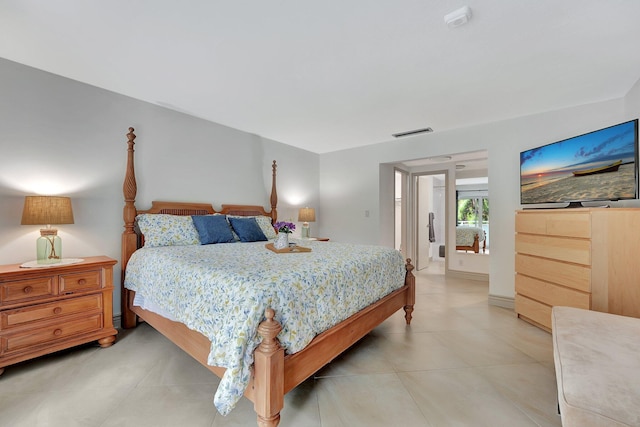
585,258
43,310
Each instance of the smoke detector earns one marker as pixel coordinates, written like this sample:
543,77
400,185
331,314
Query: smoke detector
458,17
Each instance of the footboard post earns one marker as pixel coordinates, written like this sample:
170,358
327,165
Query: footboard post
269,373
410,281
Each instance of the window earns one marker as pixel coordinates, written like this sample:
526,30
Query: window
473,209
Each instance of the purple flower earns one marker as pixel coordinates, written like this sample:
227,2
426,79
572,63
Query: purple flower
284,227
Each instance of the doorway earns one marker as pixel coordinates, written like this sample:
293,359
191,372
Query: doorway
431,220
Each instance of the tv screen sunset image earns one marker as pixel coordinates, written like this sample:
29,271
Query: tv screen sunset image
599,165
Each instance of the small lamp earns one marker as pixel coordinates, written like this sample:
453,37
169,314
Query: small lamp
306,215
40,210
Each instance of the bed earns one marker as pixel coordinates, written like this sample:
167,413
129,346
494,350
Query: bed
469,238
272,372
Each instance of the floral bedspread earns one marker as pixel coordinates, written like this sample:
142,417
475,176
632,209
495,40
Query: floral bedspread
223,290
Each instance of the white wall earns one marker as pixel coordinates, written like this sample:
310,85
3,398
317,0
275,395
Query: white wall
632,101
58,135
61,136
350,179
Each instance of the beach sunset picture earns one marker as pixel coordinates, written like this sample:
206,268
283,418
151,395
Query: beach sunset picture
600,165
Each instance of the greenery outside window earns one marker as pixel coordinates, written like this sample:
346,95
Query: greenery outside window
473,209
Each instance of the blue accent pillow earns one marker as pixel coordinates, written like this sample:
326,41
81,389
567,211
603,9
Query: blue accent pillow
247,229
212,229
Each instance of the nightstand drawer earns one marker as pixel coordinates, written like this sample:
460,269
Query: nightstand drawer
21,316
25,290
43,310
47,334
87,280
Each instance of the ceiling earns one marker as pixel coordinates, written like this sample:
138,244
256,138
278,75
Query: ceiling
331,75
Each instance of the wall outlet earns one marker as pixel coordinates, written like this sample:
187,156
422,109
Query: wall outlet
460,262
366,214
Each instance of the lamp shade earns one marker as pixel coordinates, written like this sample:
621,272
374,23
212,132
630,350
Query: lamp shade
39,210
306,215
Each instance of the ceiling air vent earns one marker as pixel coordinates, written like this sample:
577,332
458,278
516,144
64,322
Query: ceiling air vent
412,132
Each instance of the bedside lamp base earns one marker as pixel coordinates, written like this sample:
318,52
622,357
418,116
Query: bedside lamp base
48,247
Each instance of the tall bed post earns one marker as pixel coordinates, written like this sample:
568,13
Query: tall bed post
274,194
129,236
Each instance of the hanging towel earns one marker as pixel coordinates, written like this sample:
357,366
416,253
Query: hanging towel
432,230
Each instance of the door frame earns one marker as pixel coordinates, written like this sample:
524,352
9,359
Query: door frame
405,219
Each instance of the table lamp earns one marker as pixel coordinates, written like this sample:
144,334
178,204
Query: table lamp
41,210
306,215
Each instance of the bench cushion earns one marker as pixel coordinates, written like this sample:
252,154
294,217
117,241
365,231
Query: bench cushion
597,361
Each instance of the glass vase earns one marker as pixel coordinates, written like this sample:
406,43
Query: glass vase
49,247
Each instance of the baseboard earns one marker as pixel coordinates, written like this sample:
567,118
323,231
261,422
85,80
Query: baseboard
504,302
117,321
480,277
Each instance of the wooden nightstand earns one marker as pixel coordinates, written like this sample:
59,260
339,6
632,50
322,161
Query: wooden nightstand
43,310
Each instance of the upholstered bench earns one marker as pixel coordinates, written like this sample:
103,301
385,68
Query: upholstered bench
597,360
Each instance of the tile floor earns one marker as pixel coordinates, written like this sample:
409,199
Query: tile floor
460,363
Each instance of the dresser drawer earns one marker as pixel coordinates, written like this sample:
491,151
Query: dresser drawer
76,282
569,275
551,294
534,310
28,289
574,224
48,334
559,248
50,311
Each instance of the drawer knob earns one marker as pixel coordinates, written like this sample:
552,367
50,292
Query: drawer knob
57,332
57,310
27,289
82,282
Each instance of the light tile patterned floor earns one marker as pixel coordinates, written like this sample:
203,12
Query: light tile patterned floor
460,363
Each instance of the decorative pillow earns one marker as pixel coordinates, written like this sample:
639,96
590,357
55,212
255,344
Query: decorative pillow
267,228
212,229
264,222
247,229
167,230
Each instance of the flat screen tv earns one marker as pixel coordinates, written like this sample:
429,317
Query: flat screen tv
597,166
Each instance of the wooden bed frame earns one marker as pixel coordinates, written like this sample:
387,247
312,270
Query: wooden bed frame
274,373
475,247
